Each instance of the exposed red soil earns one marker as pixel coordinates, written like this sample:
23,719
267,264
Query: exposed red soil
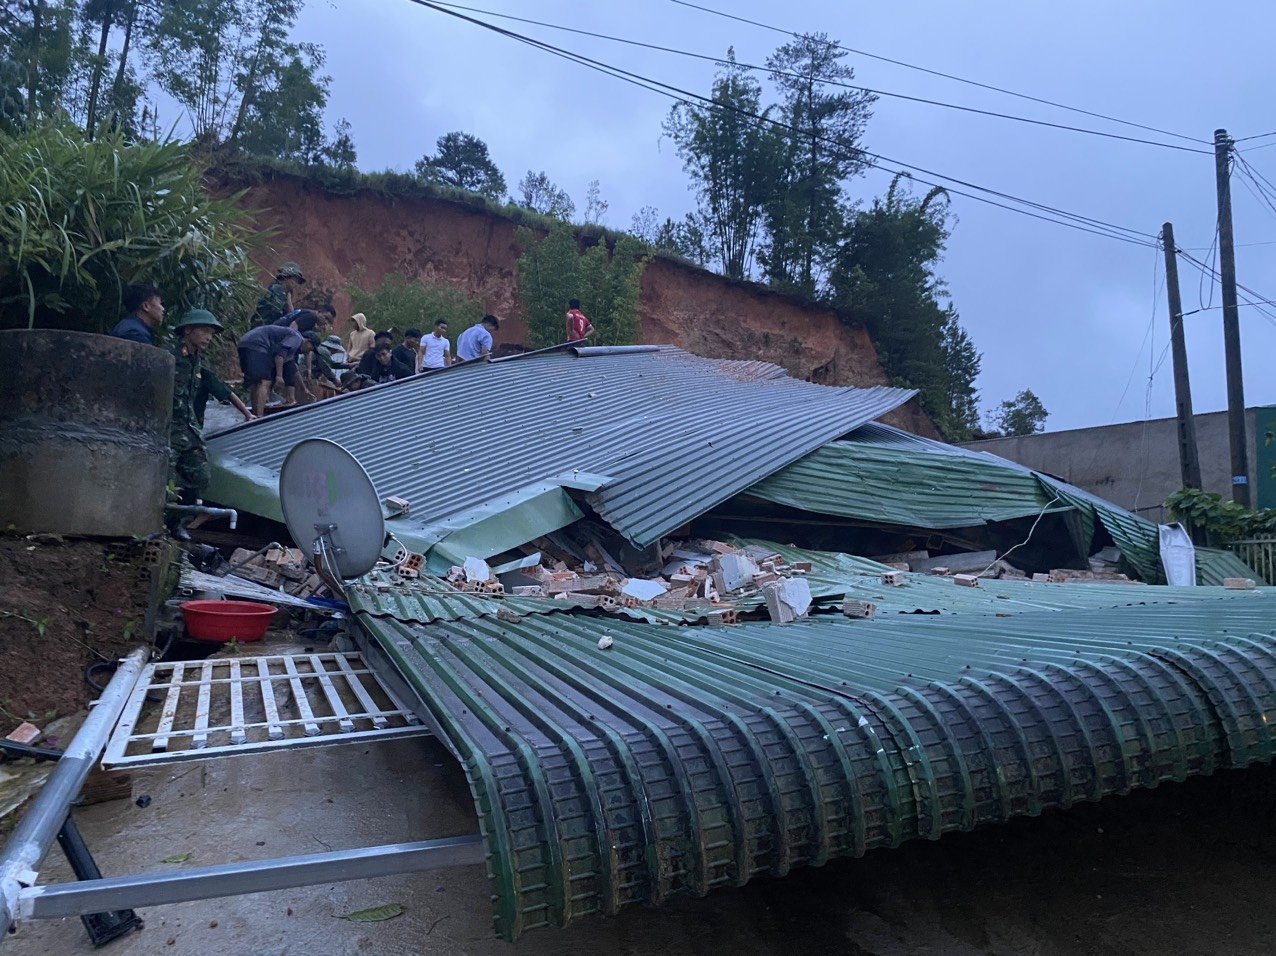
338,238
63,606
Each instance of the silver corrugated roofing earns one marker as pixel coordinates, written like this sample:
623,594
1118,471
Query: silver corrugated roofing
651,437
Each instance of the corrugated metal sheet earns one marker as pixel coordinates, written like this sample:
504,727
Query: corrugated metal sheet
884,475
898,484
683,759
651,437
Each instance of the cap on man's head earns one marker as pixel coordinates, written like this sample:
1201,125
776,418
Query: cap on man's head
333,341
290,270
492,320
312,338
198,317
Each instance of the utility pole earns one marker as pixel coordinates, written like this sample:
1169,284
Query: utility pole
1231,322
1189,464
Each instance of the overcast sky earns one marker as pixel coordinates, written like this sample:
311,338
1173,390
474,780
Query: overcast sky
1068,314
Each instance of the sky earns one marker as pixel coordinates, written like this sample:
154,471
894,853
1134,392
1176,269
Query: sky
1080,319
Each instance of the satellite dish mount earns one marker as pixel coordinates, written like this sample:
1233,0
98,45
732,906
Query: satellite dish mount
331,509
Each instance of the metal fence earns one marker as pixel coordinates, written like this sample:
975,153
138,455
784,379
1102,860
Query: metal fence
1259,554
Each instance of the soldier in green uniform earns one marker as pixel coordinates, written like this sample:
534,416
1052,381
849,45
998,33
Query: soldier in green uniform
188,458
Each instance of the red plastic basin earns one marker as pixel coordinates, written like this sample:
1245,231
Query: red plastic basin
225,621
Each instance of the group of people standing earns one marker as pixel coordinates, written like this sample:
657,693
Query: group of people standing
284,351
376,358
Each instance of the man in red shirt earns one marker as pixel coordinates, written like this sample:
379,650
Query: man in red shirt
578,325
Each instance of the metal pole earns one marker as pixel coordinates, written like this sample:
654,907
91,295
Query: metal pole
1231,321
1189,464
253,876
44,818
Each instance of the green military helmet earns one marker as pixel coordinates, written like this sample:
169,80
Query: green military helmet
290,270
198,317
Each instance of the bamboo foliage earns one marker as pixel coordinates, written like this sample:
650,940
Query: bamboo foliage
80,220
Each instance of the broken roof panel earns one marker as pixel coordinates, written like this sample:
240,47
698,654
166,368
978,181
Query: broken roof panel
677,760
905,484
656,436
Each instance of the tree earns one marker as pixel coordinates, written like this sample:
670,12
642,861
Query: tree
537,193
284,116
230,64
644,224
884,276
608,283
462,161
1022,415
340,152
685,239
595,205
823,124
733,156
37,38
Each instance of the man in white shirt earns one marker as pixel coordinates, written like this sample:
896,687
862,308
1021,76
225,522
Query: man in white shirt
476,341
436,351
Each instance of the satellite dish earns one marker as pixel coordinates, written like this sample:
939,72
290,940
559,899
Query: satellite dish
331,507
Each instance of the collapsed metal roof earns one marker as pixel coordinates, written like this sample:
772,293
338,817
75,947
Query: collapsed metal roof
682,759
649,436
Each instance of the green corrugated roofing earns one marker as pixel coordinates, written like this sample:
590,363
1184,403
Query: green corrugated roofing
682,759
882,475
903,485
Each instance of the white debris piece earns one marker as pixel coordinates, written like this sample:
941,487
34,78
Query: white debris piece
736,570
643,589
787,600
605,642
476,569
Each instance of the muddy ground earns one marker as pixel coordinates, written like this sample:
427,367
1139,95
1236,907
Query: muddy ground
64,604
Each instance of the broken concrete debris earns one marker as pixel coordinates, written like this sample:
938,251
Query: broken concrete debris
864,610
643,590
280,569
787,600
966,580
25,733
476,570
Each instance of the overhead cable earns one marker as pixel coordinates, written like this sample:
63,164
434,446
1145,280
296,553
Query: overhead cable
948,76
877,161
833,83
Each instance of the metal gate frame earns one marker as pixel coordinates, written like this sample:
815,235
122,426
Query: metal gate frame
22,898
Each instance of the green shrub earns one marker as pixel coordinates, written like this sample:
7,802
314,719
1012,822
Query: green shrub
399,304
1223,521
80,220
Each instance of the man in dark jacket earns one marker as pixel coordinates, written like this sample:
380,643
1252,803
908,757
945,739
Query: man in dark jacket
145,314
380,365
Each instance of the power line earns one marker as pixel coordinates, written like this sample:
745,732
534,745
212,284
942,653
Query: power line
947,76
1045,212
1258,136
834,83
1256,300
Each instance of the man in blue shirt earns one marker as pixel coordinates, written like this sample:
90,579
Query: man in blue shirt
476,341
145,314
